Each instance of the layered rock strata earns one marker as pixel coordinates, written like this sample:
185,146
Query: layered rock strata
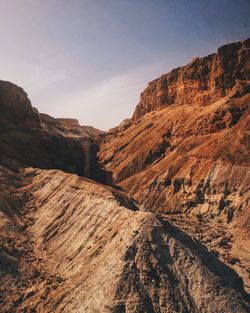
201,82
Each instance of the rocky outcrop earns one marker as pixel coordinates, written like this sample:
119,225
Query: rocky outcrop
69,125
74,245
185,157
28,138
15,108
122,126
200,82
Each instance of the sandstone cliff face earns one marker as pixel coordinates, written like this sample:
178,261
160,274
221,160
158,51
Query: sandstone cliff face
183,159
200,82
72,245
189,157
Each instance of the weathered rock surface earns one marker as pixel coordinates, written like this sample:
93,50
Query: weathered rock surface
70,126
190,158
200,82
185,159
72,245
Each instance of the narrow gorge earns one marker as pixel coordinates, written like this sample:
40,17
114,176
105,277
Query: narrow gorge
151,216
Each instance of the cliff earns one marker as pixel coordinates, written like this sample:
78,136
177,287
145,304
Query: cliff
186,157
15,108
172,236
200,82
28,138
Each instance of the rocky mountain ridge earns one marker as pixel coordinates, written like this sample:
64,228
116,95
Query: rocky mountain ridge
201,82
191,158
172,237
28,138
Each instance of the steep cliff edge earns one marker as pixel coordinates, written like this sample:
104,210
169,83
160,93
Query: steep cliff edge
186,157
200,82
189,157
15,107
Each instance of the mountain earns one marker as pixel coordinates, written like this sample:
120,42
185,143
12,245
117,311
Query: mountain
28,138
201,82
152,216
186,149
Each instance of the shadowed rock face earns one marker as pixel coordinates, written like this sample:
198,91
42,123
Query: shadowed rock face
15,108
200,82
28,138
73,245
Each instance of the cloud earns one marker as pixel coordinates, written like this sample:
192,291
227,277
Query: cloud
106,103
32,77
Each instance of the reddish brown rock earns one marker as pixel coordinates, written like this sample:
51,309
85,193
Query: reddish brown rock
70,126
200,82
187,156
70,244
179,157
185,159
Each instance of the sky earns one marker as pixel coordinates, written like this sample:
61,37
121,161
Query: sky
91,59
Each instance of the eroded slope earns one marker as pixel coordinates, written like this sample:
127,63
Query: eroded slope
72,245
189,155
185,159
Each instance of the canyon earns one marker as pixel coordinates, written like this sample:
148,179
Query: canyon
151,216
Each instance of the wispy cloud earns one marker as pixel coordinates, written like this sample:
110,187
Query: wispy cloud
91,59
33,78
107,103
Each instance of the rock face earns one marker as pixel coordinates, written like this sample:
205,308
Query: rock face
191,158
188,157
185,159
28,138
70,125
177,241
72,245
15,107
200,82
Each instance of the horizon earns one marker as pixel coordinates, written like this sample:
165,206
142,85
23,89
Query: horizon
94,66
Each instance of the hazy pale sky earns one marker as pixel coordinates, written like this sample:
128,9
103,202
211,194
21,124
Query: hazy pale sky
90,59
